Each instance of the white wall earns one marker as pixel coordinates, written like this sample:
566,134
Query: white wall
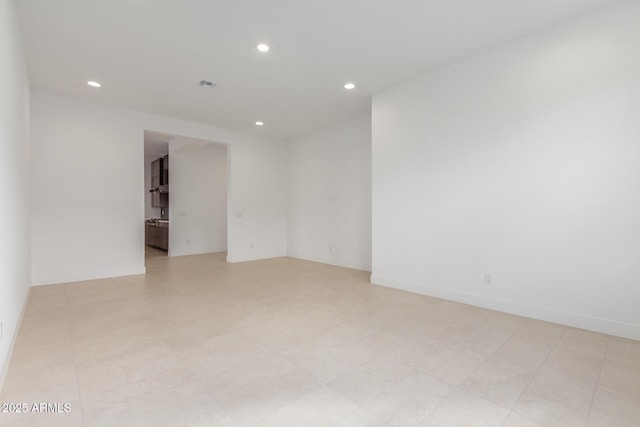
522,162
14,180
257,201
88,211
330,195
198,199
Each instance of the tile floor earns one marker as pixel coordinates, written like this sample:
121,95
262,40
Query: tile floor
285,342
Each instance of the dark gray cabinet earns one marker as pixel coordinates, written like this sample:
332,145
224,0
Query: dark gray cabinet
157,236
164,179
160,182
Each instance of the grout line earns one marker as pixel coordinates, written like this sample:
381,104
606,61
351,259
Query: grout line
73,359
486,360
199,380
595,389
537,371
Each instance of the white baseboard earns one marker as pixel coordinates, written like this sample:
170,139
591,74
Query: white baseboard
256,258
96,275
175,253
5,365
582,321
330,262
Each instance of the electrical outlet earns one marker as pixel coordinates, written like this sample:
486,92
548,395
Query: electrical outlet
488,279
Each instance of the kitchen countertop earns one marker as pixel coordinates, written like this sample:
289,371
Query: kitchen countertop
157,222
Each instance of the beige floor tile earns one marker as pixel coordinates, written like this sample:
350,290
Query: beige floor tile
41,347
357,330
102,318
463,409
304,321
505,323
216,360
580,368
418,321
104,346
449,364
408,402
330,362
611,408
323,407
398,343
153,367
91,292
55,327
361,418
40,380
187,404
200,329
162,300
499,381
555,403
295,350
585,342
269,338
254,391
47,292
624,351
516,420
113,407
540,332
530,355
44,308
621,378
226,339
483,340
362,383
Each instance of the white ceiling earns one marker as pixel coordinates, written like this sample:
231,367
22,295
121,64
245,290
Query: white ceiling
150,54
156,144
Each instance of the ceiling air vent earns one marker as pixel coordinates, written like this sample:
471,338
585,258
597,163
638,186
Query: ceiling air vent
207,84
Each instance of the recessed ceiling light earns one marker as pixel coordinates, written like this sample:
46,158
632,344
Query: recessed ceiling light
259,123
93,84
349,86
263,47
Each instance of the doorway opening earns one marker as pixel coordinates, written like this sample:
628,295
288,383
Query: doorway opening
185,195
